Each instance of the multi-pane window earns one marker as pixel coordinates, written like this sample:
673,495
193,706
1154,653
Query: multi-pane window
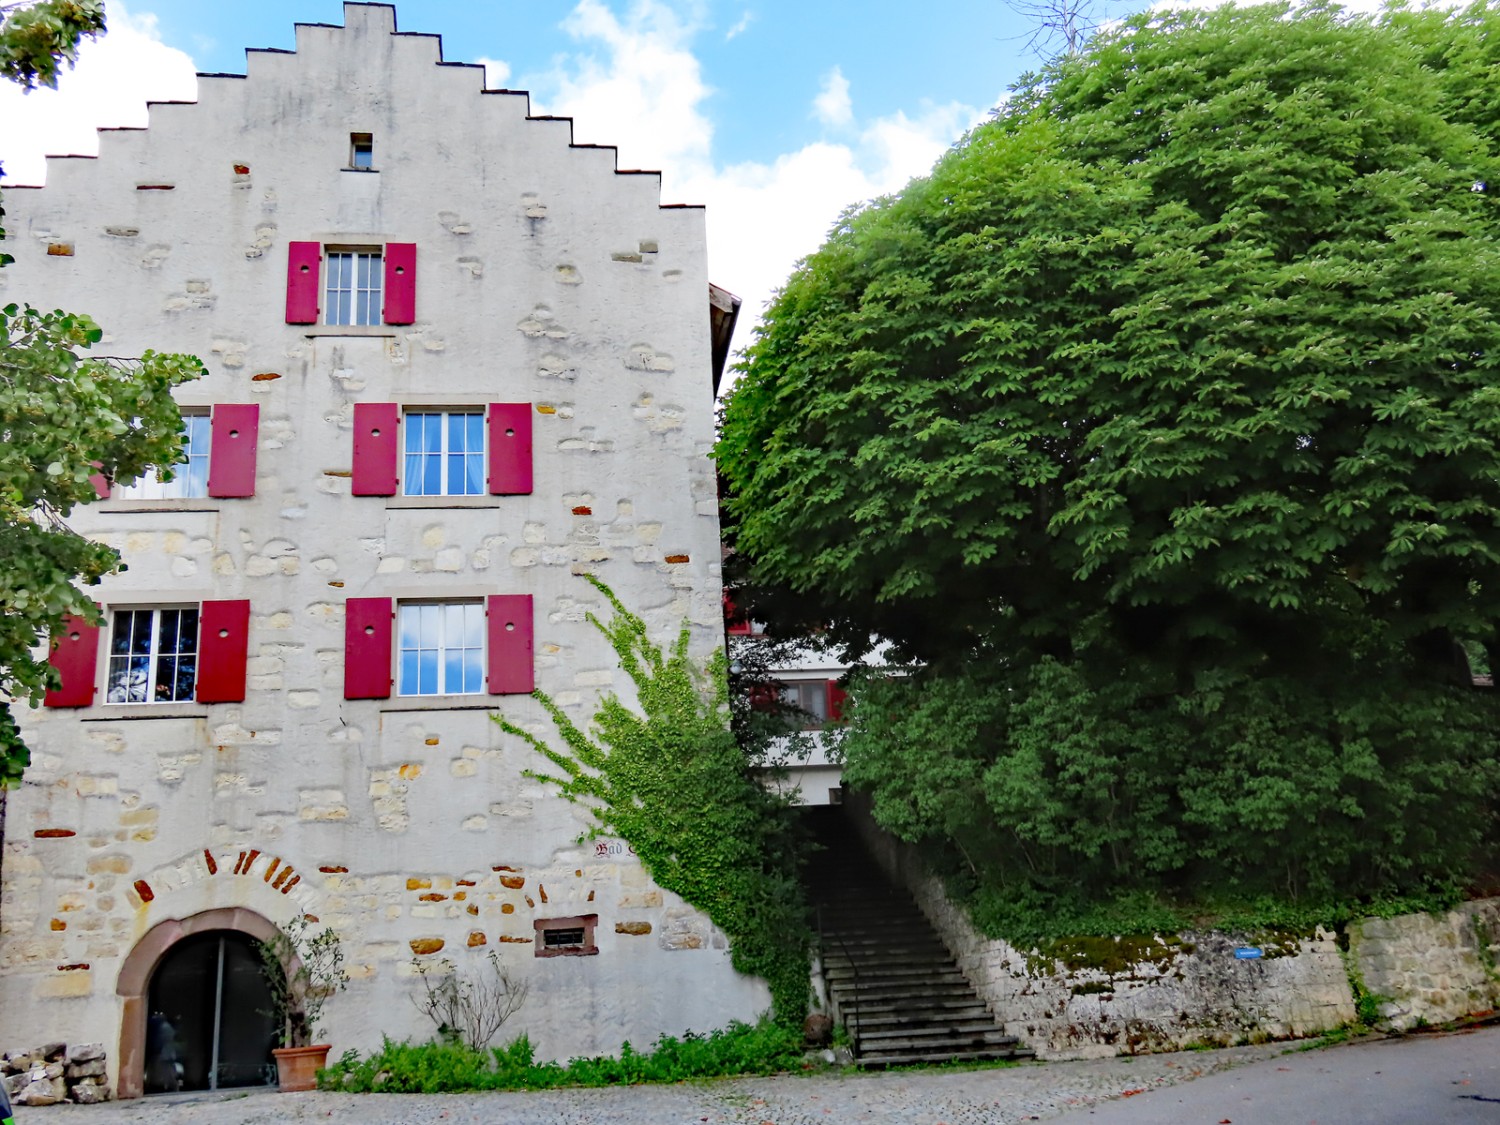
810,696
189,478
444,454
153,655
352,293
441,648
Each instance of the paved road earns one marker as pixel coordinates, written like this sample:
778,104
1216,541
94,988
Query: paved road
1451,1079
1373,1084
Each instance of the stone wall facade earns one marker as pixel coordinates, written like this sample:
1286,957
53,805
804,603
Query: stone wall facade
545,279
1103,997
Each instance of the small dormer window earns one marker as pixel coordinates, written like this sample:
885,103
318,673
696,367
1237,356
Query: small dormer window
362,151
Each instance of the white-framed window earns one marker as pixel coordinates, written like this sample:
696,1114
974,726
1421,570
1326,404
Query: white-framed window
441,650
189,478
352,289
810,696
153,655
443,453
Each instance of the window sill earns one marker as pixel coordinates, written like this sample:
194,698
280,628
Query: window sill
109,712
443,501
372,330
475,702
362,171
186,504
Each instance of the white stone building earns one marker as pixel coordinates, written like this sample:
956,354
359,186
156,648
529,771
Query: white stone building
454,362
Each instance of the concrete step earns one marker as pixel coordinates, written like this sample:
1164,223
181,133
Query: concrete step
871,1016
969,1031
915,1058
894,972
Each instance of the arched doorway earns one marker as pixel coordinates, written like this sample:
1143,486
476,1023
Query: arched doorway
209,1024
133,985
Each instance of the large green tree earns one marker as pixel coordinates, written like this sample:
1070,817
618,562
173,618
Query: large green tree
64,417
1165,408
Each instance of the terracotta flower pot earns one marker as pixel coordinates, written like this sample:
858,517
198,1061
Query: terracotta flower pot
297,1067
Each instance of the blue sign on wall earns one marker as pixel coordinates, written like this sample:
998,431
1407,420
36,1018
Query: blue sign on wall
1247,953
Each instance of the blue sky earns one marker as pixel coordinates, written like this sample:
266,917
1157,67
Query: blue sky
777,114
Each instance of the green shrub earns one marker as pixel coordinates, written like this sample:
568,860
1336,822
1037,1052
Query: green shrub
670,778
433,1068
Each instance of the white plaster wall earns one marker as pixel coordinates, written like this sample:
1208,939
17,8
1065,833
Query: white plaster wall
544,277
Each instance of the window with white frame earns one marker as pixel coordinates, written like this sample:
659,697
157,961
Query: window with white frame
153,655
443,453
441,648
810,696
189,477
352,292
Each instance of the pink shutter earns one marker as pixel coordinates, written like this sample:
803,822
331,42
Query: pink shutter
836,697
223,645
511,668
367,648
74,653
510,448
400,282
302,282
234,433
100,483
375,448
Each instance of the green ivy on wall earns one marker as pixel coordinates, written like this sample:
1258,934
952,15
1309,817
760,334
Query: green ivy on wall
670,779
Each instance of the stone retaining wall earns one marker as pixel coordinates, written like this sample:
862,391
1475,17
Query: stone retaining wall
1107,997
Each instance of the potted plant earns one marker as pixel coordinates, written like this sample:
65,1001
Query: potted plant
303,970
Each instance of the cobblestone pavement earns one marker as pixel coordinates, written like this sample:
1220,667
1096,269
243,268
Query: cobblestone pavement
1029,1092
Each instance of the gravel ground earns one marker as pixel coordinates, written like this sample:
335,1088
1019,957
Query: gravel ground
1028,1092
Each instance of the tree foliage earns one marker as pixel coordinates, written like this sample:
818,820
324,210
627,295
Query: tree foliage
1174,383
671,780
64,417
36,39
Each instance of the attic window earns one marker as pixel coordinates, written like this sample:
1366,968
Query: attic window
362,151
566,937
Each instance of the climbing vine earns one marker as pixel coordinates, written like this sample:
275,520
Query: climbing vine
669,777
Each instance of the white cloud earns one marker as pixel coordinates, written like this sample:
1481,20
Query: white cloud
635,82
116,75
496,73
739,28
833,106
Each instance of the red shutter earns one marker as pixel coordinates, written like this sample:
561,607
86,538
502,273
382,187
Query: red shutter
302,282
223,644
375,448
510,448
736,623
100,483
367,648
74,653
400,282
511,668
234,432
836,697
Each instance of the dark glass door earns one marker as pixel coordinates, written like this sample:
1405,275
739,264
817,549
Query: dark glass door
208,1026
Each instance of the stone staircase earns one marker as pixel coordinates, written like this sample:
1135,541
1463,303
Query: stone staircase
891,978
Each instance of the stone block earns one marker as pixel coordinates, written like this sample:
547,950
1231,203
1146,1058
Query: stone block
42,1091
94,1068
89,1093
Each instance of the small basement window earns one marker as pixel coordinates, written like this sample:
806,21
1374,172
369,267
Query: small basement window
362,151
566,937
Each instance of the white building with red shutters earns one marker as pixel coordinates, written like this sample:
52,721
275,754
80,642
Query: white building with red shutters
455,362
